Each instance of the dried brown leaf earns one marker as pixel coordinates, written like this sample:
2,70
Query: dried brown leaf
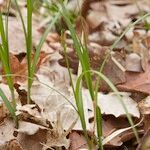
136,82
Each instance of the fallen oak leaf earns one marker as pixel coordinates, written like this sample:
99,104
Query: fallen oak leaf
111,105
136,82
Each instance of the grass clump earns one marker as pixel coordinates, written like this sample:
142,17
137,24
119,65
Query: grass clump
86,73
5,59
4,51
32,60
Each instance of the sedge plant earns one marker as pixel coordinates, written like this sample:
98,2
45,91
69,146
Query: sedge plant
5,59
84,60
82,53
32,60
4,52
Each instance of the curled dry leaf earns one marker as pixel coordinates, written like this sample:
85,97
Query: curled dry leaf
111,125
109,128
30,113
111,105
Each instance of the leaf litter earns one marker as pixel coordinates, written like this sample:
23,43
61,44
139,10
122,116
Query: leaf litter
52,121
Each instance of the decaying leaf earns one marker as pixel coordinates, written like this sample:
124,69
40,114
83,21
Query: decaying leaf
31,142
111,105
136,82
6,130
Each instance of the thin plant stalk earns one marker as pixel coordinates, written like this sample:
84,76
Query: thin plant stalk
29,44
84,60
39,46
63,43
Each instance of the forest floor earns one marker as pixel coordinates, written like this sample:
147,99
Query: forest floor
51,121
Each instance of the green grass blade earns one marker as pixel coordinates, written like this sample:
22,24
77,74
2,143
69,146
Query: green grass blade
80,108
3,37
6,28
38,48
29,43
63,43
8,104
99,127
